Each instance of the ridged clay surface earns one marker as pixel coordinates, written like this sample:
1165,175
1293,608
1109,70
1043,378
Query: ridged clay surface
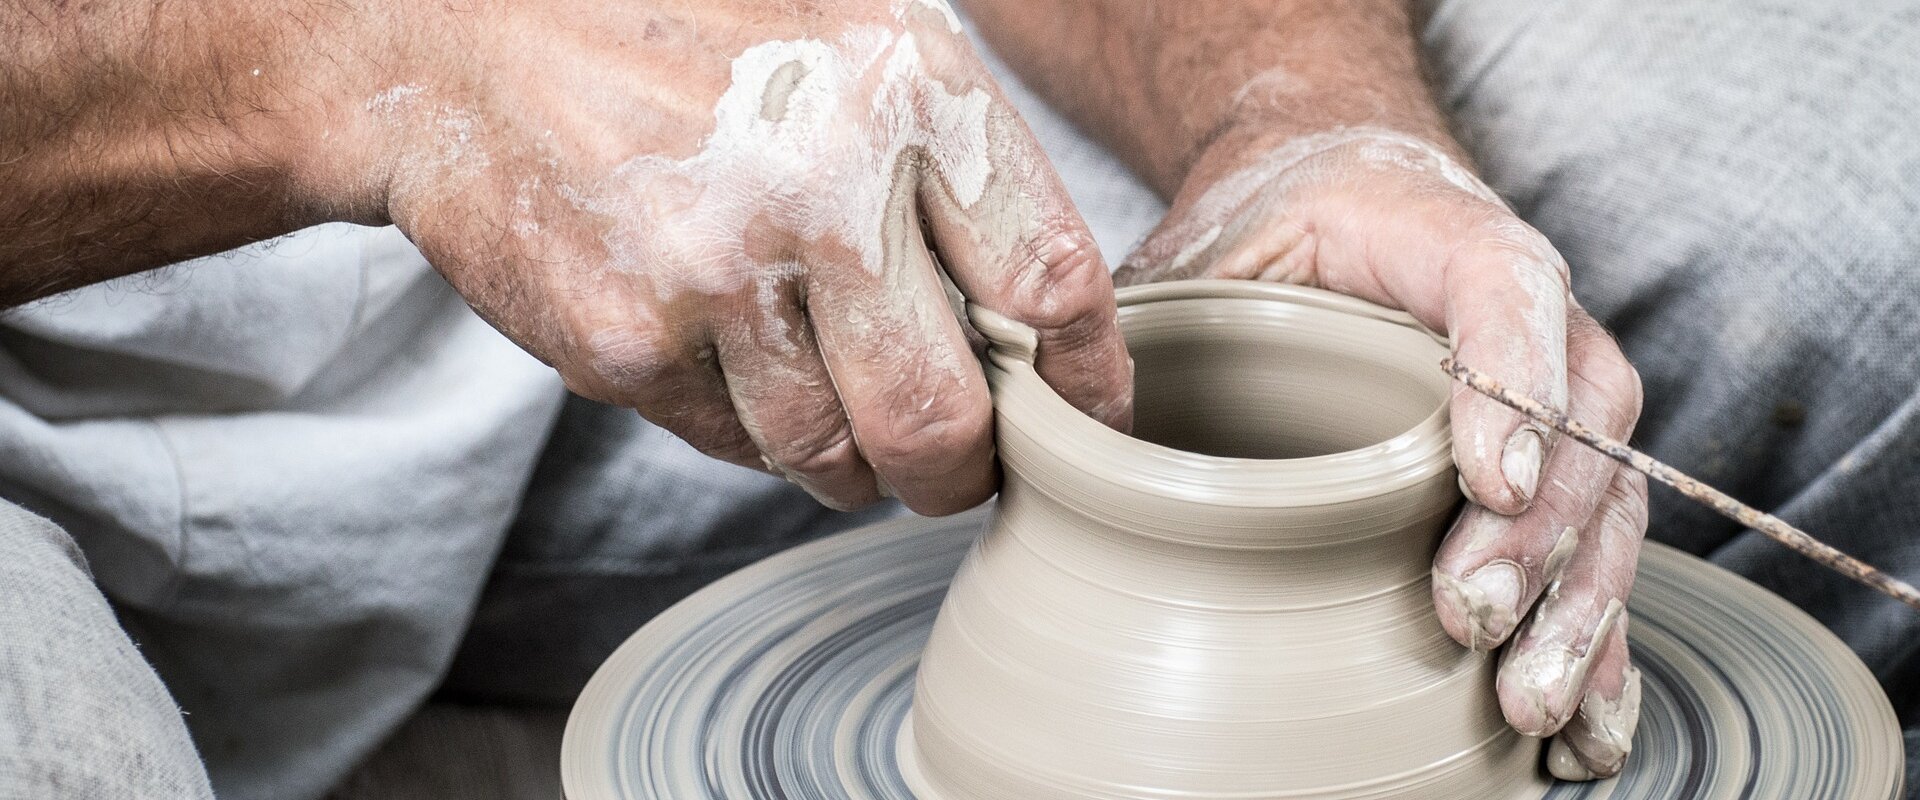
1233,602
792,679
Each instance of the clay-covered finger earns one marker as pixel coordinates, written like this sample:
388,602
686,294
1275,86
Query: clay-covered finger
786,398
916,397
1492,567
1507,301
1012,241
1595,744
1545,672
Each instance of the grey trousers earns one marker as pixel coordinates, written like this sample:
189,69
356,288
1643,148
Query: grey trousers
1737,186
81,713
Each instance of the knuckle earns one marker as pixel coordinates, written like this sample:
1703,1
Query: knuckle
1622,394
1062,283
639,365
1621,519
944,425
1633,391
628,356
1557,510
1624,508
1505,234
824,448
1611,379
1632,485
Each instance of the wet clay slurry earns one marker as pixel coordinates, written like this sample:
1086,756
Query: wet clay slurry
1233,604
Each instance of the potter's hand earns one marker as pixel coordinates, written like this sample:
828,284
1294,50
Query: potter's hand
721,214
1549,544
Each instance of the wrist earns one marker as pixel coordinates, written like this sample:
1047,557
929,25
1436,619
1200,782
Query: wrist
1267,195
144,139
1256,152
1281,113
298,104
240,109
313,113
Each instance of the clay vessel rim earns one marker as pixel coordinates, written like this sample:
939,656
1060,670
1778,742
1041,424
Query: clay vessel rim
1027,404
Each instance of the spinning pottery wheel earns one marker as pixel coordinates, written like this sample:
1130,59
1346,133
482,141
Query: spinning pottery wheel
791,679
1061,667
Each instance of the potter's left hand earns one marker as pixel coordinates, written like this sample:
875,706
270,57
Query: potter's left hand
1548,545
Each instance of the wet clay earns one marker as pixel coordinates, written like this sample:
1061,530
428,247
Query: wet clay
1233,602
1251,661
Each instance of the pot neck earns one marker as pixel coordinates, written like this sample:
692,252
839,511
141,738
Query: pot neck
1124,487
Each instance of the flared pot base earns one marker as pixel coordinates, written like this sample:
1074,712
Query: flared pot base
1532,785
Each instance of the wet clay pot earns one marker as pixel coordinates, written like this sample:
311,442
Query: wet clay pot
1232,602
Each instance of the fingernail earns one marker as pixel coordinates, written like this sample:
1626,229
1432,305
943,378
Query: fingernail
1492,597
1608,735
1533,689
1545,678
1599,747
1562,763
1520,462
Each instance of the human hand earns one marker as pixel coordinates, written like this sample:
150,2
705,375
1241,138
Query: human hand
727,215
1549,542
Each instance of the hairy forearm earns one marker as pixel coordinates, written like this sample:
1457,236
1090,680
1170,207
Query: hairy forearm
1161,80
138,134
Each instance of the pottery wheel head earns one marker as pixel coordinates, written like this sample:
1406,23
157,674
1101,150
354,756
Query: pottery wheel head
790,680
1233,604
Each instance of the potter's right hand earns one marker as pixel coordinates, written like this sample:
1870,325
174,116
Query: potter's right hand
725,215
1543,557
